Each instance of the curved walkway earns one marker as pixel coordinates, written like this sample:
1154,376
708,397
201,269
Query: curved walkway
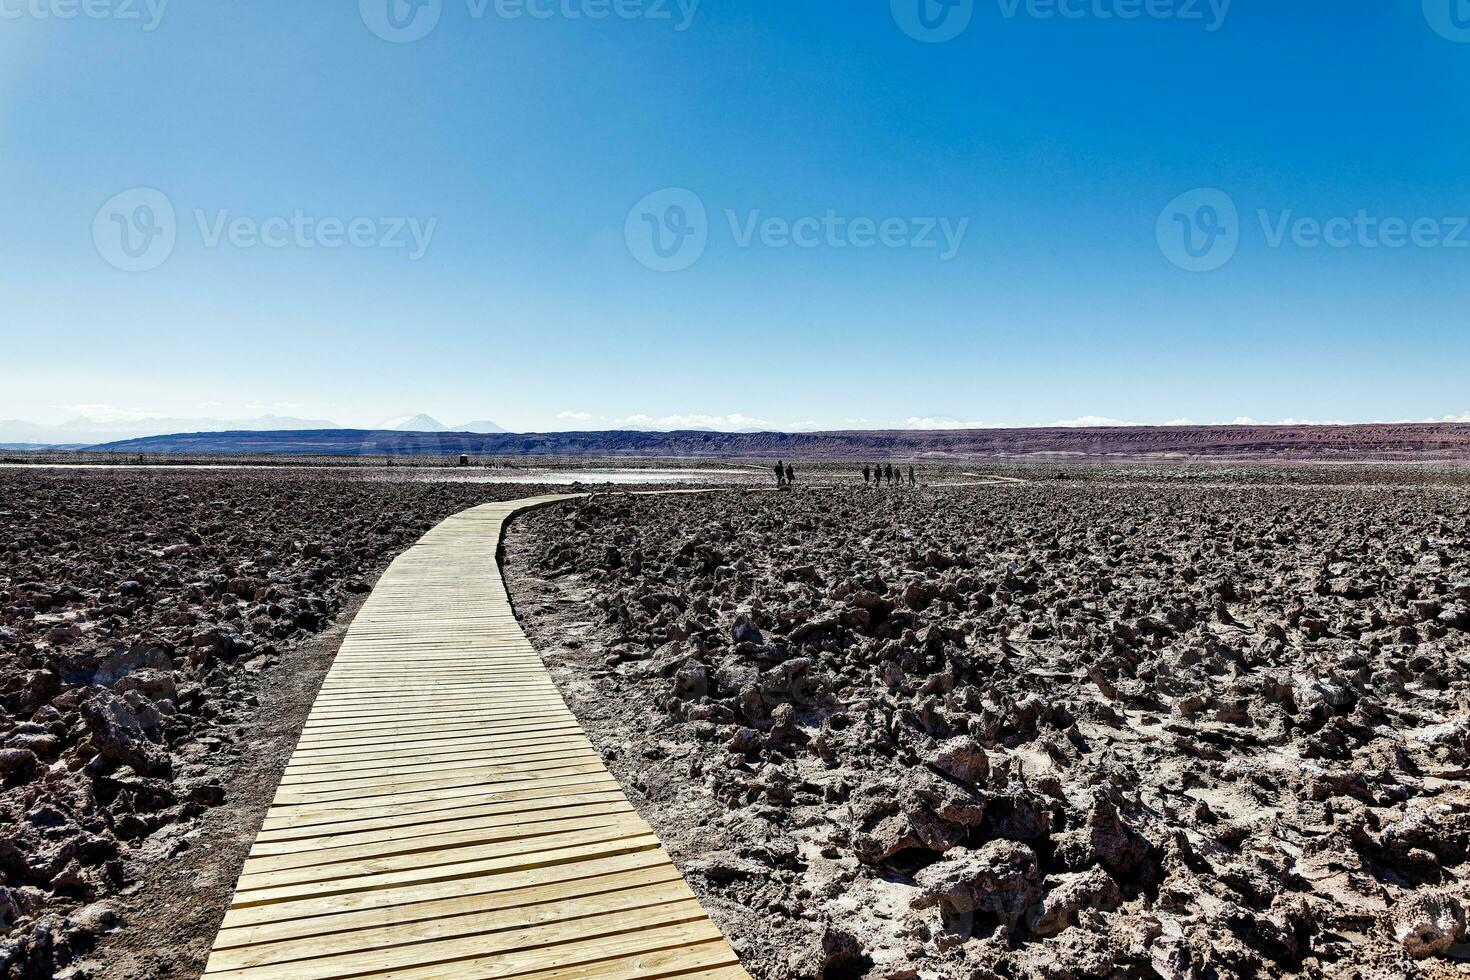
444,816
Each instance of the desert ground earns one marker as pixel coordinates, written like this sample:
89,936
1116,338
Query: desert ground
1137,723
1019,721
163,632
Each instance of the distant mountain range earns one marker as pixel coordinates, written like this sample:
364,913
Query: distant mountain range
1424,441
83,431
89,432
413,423
427,423
39,446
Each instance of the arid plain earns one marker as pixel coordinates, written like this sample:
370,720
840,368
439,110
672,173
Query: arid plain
1017,721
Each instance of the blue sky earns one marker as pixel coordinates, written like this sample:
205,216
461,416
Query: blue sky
518,146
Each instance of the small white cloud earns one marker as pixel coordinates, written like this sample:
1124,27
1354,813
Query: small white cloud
1244,420
575,416
926,422
99,412
264,408
1179,422
734,421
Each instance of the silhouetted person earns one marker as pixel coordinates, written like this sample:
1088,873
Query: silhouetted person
780,469
866,474
790,476
888,473
912,482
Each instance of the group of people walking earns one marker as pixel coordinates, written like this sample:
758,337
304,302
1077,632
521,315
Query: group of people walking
873,475
876,474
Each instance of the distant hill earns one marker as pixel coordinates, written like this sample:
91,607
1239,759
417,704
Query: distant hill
414,423
81,431
84,431
427,423
1326,442
483,425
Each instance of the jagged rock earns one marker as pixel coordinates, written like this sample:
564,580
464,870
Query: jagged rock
155,684
1068,894
167,596
924,814
1427,924
964,758
1456,617
118,734
691,681
1148,678
829,953
18,762
139,656
1105,840
1001,878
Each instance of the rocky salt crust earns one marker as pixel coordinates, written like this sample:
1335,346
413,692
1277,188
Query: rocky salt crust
139,613
1053,730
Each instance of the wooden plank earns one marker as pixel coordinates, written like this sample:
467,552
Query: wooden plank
648,931
551,864
378,862
655,952
444,815
508,891
410,770
359,762
325,846
389,791
283,825
478,833
429,731
411,943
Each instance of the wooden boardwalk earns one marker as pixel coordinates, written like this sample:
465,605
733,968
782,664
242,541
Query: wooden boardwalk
445,816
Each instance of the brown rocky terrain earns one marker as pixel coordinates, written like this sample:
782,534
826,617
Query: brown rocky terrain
1193,721
158,649
1130,729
